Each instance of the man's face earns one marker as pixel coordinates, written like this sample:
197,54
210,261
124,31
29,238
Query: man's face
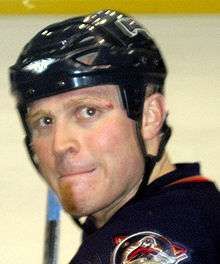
87,148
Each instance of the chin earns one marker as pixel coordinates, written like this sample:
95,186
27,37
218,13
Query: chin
75,208
76,203
78,213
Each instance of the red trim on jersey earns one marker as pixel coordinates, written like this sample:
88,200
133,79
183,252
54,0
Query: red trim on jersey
190,179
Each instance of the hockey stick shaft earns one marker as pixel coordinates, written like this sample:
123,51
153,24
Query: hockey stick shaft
52,229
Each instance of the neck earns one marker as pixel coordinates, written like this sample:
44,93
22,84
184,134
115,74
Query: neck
163,167
101,217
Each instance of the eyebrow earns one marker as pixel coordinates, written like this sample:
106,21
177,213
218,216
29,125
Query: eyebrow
84,99
100,92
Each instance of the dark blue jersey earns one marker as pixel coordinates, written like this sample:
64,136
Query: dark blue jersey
176,219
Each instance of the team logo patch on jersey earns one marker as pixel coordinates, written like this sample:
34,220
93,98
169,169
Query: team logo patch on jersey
147,248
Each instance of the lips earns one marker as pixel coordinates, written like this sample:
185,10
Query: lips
77,172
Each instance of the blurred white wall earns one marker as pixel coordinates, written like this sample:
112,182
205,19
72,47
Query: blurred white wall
191,46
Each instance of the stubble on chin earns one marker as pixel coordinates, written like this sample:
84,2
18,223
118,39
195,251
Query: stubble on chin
70,201
66,196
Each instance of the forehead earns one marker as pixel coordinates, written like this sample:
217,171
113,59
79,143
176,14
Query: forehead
108,92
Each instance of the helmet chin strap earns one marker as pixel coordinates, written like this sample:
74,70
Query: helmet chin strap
151,160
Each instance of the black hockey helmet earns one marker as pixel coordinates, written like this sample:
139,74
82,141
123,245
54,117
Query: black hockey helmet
107,47
103,48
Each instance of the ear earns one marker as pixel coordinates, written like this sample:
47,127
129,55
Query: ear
154,114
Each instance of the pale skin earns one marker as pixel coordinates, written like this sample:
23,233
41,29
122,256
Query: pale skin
88,151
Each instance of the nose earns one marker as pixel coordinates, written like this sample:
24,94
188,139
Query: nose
65,139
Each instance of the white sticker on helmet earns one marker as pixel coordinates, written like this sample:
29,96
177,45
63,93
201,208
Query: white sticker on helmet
39,66
129,27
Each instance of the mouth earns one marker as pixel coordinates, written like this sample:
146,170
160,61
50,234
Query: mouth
76,173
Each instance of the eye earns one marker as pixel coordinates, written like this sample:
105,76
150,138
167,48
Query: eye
86,112
41,123
45,121
40,126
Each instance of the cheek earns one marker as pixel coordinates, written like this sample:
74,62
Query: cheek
108,137
41,149
44,157
115,143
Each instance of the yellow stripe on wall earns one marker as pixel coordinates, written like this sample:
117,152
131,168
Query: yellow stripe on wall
28,7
